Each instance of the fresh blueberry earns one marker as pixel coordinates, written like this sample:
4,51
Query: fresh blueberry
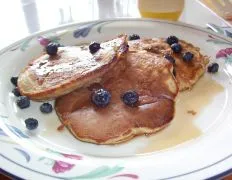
176,47
14,80
23,102
170,58
46,108
188,56
31,123
16,92
134,37
130,98
172,39
94,47
213,68
101,97
52,48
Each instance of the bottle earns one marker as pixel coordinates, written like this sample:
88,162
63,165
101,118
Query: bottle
161,9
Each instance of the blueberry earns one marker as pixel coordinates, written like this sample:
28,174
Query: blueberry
16,92
94,47
188,56
130,98
170,58
31,123
46,108
14,80
23,102
134,37
172,39
52,48
213,68
101,97
176,47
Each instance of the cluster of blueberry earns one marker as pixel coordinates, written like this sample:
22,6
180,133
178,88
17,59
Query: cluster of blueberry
24,102
173,41
188,56
102,97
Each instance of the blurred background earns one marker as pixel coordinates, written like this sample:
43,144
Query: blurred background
22,17
19,18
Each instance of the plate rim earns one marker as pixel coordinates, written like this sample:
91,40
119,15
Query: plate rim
66,26
4,49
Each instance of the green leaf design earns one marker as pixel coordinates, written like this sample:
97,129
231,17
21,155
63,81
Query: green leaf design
25,44
102,171
102,25
218,28
49,162
54,39
229,59
216,41
41,159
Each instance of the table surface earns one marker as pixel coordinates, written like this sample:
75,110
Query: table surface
20,18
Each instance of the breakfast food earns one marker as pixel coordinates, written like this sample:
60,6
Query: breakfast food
23,102
16,92
46,108
31,123
213,68
107,96
189,63
61,72
14,80
139,100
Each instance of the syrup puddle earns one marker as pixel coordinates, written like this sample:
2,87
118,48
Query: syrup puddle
189,105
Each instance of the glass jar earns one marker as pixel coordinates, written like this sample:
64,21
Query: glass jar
161,9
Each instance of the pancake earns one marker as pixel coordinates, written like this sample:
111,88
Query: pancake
149,75
48,77
187,74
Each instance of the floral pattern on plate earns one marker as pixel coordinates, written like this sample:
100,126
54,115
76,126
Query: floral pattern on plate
69,164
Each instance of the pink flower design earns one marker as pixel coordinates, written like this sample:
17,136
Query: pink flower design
71,156
61,166
224,53
131,176
43,41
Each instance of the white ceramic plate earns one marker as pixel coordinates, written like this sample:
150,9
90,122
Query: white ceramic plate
49,154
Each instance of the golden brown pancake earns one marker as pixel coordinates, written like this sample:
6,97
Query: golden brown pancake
48,77
187,74
149,75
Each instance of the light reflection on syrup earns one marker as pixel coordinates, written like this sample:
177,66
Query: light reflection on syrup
188,105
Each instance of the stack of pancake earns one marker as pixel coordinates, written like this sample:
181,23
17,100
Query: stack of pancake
71,75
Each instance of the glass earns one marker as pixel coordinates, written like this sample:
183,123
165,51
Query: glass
221,7
161,9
